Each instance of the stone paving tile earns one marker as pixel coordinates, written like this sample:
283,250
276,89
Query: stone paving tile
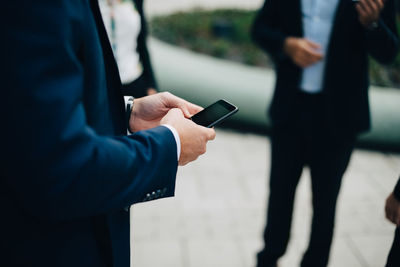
218,214
344,254
169,254
373,248
214,253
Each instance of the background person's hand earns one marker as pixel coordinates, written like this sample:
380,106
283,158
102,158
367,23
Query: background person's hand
369,11
392,209
151,91
303,52
193,137
148,111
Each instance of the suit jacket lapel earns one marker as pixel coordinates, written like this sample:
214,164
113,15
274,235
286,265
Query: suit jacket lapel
112,73
340,10
298,18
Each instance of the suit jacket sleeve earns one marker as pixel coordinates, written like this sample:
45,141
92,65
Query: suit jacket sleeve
396,191
266,32
55,165
383,42
142,49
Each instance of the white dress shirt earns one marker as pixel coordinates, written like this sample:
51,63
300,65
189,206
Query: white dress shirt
123,25
318,18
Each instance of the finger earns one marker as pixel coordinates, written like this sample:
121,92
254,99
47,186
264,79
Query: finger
392,216
183,163
301,63
184,110
361,11
210,134
393,219
172,101
380,4
376,5
387,214
305,61
371,4
312,44
365,7
187,108
151,91
312,52
387,209
314,58
192,108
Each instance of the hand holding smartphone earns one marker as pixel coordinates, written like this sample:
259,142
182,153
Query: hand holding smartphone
215,113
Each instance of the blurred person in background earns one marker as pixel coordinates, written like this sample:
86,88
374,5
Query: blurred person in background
68,172
126,26
392,210
320,49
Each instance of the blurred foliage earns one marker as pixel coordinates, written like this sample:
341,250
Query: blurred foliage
194,30
226,34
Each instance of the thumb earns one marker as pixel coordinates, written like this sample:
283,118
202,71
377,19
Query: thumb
172,115
185,111
210,133
175,112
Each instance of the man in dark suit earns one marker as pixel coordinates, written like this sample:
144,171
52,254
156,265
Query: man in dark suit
320,49
392,210
68,173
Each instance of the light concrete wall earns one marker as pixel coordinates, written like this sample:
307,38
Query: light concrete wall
204,79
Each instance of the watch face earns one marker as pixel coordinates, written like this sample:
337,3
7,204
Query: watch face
374,25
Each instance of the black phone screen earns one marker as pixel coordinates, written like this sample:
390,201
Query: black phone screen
214,113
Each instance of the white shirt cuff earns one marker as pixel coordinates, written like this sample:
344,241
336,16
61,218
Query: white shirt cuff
177,139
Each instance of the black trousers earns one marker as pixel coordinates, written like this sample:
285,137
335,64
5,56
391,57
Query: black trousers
307,140
394,254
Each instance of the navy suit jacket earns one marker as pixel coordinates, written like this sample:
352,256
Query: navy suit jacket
67,169
346,73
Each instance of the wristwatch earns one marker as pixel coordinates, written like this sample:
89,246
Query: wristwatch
373,26
128,111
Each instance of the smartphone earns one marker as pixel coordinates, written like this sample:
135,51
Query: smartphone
215,113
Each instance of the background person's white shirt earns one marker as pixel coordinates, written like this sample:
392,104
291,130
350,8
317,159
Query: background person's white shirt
318,18
123,36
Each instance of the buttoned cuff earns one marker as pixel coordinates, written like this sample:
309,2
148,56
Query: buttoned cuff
177,139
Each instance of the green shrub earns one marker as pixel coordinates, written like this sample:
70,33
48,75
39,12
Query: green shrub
194,31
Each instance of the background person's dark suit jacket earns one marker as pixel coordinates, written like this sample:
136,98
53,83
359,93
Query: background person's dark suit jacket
393,259
346,74
65,178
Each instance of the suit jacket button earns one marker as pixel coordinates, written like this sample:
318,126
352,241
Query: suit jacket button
147,198
164,191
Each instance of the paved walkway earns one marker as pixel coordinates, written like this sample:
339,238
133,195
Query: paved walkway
218,214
